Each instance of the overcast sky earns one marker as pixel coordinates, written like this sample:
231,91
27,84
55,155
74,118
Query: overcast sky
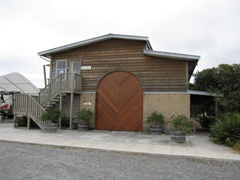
209,28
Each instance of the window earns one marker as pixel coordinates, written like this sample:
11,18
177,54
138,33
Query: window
61,67
76,67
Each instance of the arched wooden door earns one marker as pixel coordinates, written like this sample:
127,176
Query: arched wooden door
120,103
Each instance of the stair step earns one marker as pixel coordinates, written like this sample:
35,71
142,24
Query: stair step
55,100
49,106
58,96
63,94
52,103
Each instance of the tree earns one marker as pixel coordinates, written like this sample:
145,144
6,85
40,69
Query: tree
223,80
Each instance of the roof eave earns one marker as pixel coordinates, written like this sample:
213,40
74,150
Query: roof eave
93,40
204,93
170,55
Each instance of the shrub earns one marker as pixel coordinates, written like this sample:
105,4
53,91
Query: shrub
206,121
85,115
52,114
182,125
65,121
21,122
155,118
226,129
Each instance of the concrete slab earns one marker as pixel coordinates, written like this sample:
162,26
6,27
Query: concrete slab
195,146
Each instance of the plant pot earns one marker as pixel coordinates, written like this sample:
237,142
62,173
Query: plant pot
155,129
175,137
82,126
51,128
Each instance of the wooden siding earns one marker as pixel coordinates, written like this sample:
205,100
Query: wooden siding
120,103
66,106
155,74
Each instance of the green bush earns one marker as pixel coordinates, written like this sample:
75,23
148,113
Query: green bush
65,121
155,118
52,114
85,115
226,129
182,124
21,122
206,121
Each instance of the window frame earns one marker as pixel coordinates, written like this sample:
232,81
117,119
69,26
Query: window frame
72,65
56,69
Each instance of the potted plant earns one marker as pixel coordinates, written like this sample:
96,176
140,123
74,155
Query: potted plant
50,119
182,127
156,121
84,117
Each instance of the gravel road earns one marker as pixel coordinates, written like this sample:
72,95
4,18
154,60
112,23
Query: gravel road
25,161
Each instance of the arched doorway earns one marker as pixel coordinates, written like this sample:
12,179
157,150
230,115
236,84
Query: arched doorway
119,102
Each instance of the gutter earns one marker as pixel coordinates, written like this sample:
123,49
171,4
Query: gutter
179,56
44,58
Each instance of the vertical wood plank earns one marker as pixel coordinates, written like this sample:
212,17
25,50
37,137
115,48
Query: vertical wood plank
120,103
108,102
71,109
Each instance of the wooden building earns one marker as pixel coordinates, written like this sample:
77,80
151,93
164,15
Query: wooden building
120,77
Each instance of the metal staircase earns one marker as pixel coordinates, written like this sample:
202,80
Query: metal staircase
50,96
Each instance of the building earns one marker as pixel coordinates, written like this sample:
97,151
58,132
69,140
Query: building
11,84
119,77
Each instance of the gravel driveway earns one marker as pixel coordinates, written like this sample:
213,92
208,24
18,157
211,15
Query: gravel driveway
25,161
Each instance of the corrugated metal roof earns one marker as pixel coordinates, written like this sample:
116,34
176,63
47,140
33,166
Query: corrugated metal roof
94,40
171,55
203,93
18,83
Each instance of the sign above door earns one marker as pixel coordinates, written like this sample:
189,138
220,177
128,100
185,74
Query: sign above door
86,67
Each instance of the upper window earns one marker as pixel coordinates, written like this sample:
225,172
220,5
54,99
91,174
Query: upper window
76,67
61,67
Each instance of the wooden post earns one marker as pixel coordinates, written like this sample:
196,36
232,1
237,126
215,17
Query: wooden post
60,105
44,73
71,109
187,76
28,122
14,118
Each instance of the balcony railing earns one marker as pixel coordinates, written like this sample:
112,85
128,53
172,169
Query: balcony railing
65,83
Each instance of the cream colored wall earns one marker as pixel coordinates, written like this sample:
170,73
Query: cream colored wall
89,97
166,103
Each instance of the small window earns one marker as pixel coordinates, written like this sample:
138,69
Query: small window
61,67
76,67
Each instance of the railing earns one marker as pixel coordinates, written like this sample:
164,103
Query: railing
68,82
24,104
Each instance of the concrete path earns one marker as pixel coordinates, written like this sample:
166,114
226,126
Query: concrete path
197,145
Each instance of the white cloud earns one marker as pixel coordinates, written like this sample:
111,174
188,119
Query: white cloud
209,28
